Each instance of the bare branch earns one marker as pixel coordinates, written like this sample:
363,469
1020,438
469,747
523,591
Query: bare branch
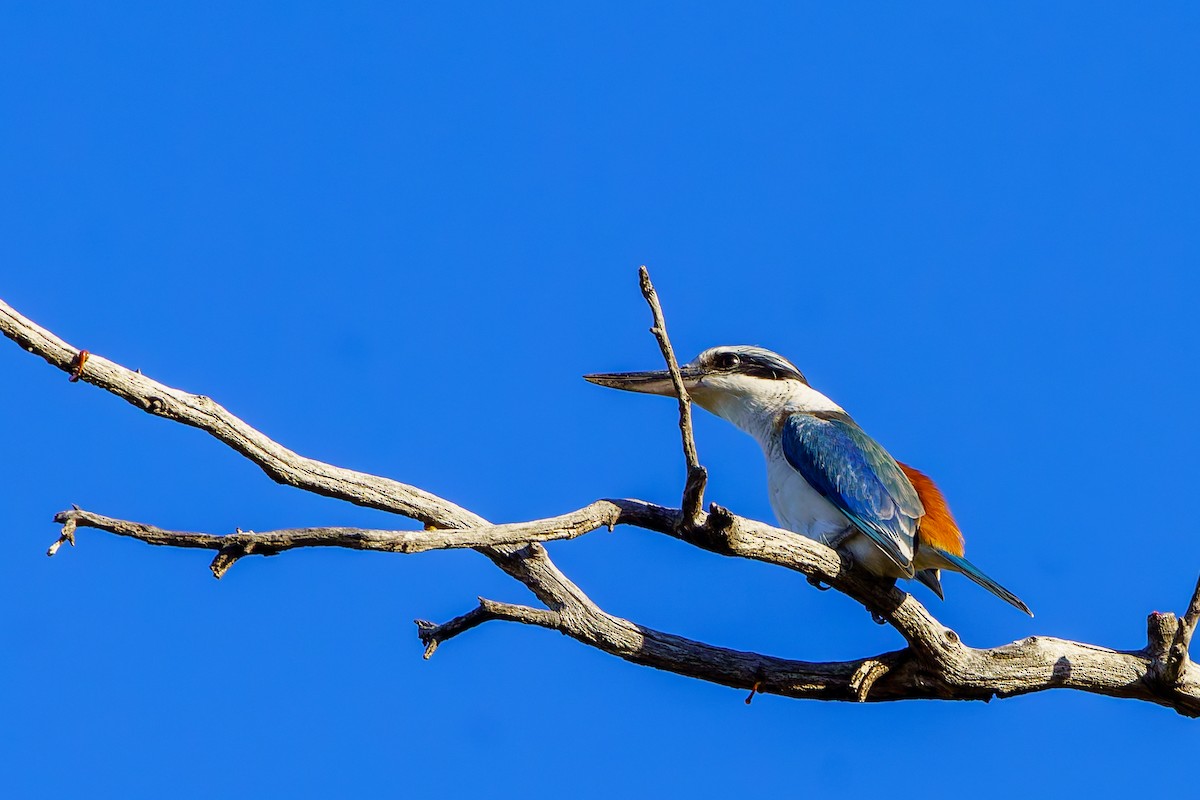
1190,619
1031,665
531,566
1181,642
936,663
233,546
433,635
198,411
728,534
697,476
939,665
67,535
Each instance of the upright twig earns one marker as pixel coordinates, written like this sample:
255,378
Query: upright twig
697,476
1182,641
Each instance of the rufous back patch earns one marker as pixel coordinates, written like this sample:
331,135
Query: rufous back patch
937,527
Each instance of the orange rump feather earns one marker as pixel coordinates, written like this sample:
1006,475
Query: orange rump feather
938,527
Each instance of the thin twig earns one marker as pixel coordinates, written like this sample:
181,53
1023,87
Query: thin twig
697,476
433,635
234,546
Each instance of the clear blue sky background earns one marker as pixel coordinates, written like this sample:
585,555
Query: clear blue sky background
395,238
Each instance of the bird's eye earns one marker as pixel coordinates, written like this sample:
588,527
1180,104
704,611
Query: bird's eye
730,360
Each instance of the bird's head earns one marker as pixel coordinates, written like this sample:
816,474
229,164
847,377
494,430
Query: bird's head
723,380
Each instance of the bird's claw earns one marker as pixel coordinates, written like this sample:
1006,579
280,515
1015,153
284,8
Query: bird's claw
878,618
820,587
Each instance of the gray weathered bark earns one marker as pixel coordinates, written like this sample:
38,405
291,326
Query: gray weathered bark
935,663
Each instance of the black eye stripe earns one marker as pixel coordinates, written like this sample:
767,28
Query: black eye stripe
770,372
759,365
756,362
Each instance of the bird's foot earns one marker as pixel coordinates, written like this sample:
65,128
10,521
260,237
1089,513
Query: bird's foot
816,583
835,540
879,619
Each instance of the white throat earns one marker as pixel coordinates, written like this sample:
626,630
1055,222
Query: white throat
755,405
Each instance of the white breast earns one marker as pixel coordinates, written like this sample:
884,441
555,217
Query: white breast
798,506
757,406
801,509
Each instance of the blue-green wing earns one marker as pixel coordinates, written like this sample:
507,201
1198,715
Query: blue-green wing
852,471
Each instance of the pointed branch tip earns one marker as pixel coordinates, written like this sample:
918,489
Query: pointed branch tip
69,524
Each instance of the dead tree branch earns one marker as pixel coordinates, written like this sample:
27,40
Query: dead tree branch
433,635
232,546
1177,658
935,664
697,476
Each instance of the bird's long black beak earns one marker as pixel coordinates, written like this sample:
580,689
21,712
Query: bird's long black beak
652,382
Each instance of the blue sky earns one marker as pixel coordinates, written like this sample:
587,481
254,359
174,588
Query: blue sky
394,238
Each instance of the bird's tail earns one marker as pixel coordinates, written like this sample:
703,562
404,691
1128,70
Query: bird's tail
960,564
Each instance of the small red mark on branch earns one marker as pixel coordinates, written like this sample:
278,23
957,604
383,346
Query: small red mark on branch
753,691
77,365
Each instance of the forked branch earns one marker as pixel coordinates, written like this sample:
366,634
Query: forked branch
935,663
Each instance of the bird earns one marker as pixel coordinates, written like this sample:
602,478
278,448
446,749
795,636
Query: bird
826,478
